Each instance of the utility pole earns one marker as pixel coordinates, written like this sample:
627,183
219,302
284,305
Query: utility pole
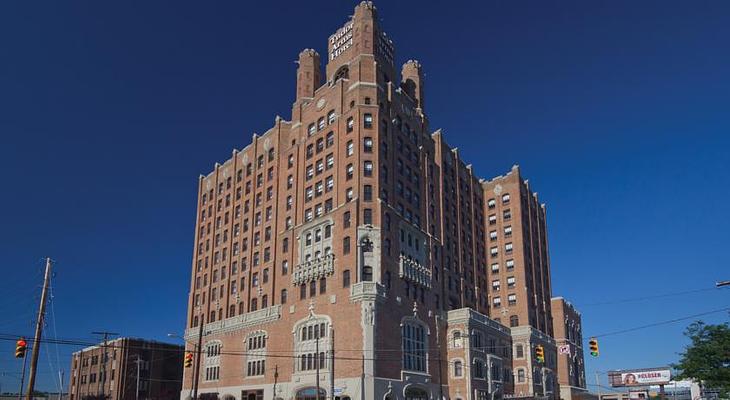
38,331
137,361
60,381
22,377
104,358
598,385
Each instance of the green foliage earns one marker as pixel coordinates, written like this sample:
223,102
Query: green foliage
707,358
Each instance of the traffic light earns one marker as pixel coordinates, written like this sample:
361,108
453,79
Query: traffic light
540,354
593,345
20,347
188,359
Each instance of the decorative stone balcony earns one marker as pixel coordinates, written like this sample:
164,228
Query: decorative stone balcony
314,269
411,270
363,291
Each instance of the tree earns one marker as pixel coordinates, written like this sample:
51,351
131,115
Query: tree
707,358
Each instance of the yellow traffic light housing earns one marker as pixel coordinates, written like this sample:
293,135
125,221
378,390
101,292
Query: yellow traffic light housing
593,345
540,353
188,359
20,347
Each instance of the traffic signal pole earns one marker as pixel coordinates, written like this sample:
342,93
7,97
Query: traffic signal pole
38,332
22,377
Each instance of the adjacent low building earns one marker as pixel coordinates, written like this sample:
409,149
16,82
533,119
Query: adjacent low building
127,369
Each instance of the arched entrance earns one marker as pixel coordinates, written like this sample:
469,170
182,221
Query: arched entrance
310,393
413,393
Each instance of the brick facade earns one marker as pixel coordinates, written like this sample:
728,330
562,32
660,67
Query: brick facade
111,370
353,228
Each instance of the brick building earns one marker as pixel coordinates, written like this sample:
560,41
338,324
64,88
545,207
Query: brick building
571,364
352,229
110,370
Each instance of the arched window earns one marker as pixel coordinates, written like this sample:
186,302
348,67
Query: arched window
457,339
413,393
458,369
413,336
342,73
310,393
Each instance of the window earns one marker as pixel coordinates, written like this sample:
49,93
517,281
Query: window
302,291
493,235
368,166
512,299
349,194
349,171
508,248
368,193
505,198
458,369
320,124
496,302
346,278
492,219
510,265
350,149
507,215
331,117
519,351
491,203
514,320
367,216
367,145
346,245
508,231
510,282
367,273
346,216
520,375
312,288
368,121
330,161
322,285
312,129
330,139
350,124
414,346
290,161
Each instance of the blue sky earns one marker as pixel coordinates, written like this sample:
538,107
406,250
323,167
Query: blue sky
617,113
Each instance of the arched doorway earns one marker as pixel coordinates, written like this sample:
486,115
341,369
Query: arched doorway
413,393
310,393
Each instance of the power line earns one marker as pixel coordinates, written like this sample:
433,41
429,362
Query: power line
658,296
661,323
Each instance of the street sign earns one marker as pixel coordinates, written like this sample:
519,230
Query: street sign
564,349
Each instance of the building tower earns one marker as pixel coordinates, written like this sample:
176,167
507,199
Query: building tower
352,229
